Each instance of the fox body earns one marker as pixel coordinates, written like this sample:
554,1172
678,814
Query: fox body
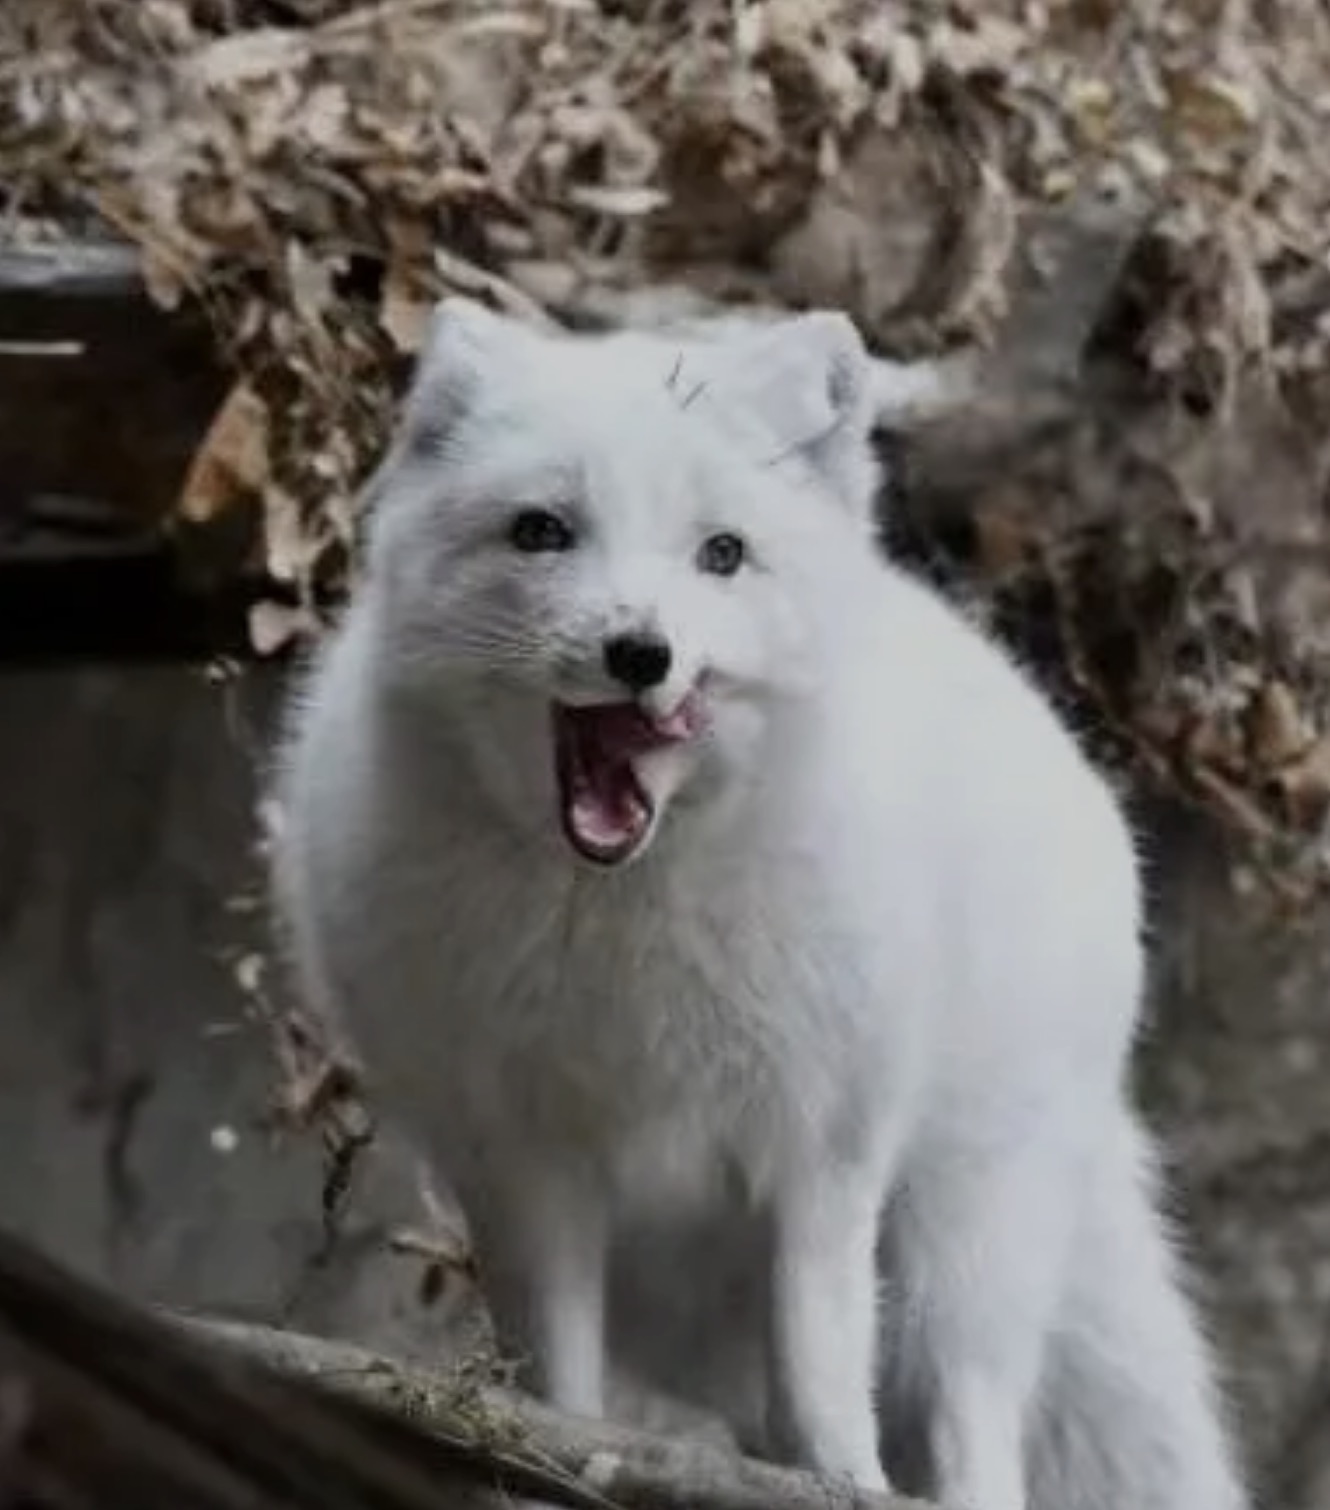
673,858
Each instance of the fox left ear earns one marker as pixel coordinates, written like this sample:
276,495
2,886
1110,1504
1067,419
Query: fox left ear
809,380
464,345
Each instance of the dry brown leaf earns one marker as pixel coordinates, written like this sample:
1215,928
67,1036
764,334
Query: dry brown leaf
1211,106
230,467
1305,786
274,626
314,187
628,202
1279,733
405,316
162,277
290,545
246,57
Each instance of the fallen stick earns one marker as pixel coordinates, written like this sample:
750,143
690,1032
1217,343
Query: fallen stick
106,1404
590,1460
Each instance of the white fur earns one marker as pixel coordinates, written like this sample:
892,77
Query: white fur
872,985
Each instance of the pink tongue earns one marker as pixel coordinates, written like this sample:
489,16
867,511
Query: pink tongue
606,813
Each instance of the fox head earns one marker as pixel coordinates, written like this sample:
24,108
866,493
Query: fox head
606,564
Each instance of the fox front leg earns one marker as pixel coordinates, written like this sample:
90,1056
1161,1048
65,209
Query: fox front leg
823,1323
540,1242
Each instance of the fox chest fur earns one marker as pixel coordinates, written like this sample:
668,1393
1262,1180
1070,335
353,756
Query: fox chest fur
684,1014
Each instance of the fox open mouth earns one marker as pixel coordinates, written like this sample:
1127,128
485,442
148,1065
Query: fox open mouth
606,809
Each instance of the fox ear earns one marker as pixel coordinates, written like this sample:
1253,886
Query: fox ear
463,342
809,379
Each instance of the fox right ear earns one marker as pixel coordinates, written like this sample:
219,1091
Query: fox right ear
809,378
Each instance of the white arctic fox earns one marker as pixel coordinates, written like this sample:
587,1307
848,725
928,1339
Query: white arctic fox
664,851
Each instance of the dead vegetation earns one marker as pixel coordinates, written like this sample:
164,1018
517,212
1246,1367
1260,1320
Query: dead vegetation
1126,206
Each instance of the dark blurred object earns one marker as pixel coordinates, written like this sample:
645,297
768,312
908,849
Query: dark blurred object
106,1406
102,395
104,399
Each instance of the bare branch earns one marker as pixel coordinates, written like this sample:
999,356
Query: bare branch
584,1460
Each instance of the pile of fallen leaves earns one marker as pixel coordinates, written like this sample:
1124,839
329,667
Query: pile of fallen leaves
314,173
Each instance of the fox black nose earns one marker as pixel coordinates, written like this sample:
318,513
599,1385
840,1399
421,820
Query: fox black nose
638,661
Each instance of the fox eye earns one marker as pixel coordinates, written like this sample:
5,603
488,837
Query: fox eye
721,555
536,531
